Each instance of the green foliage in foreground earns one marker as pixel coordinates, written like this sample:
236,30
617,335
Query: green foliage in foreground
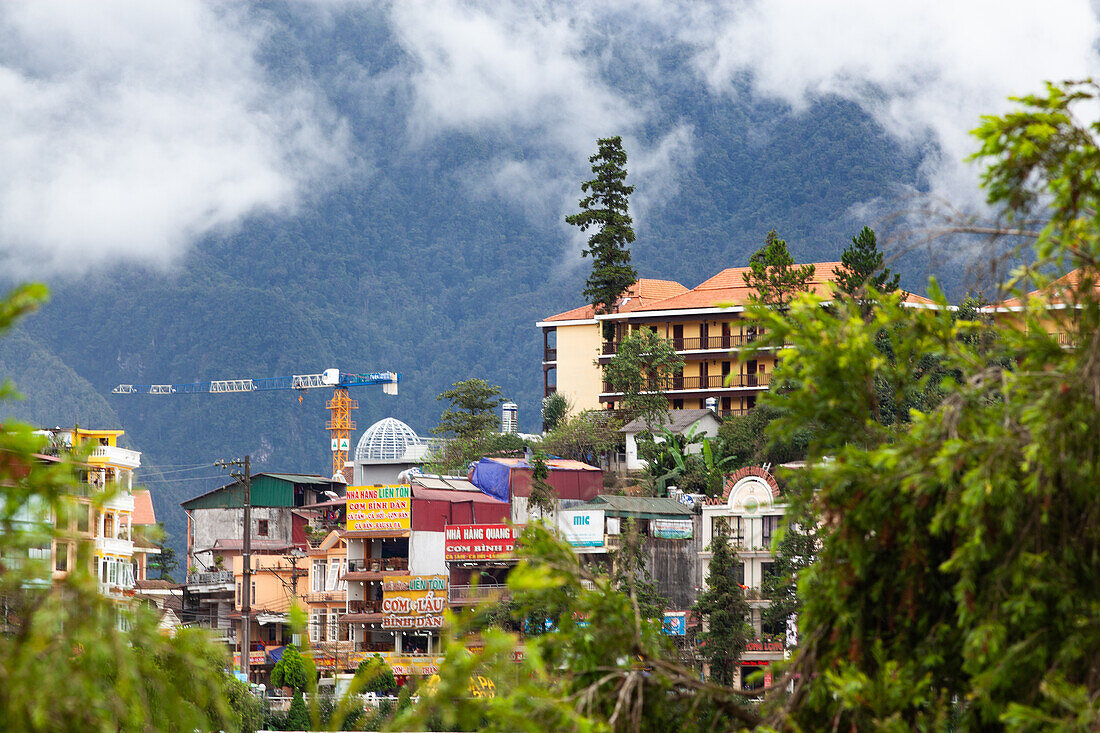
956,580
603,667
67,663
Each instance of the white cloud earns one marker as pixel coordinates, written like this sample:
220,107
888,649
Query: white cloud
128,128
920,69
532,74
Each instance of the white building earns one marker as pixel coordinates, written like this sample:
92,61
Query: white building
752,507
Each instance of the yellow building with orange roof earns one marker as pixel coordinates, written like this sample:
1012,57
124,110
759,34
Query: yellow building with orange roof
706,326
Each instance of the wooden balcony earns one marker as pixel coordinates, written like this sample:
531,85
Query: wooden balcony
549,354
378,565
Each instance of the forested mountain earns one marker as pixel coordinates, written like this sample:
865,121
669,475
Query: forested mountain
406,265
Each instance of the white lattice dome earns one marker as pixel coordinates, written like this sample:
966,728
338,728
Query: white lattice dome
386,440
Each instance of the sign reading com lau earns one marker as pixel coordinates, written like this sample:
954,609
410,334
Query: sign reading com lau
372,508
414,602
480,541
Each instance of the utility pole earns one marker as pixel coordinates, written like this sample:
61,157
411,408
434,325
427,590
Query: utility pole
244,477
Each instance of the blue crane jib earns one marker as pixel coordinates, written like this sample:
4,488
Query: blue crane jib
327,378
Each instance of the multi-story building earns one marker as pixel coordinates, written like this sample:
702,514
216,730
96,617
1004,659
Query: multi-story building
706,326
215,541
104,467
326,602
752,508
572,344
398,576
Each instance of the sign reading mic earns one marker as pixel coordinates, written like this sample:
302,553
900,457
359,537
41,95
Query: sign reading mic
480,541
582,528
373,508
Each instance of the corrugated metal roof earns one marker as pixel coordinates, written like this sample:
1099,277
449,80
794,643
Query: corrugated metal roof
639,507
268,490
677,421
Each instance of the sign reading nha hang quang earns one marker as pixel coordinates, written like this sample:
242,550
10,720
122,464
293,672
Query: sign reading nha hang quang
373,508
414,602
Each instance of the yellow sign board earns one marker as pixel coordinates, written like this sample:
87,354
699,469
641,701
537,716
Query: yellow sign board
414,602
373,508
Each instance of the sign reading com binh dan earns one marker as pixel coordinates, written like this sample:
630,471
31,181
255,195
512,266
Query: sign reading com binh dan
480,541
414,602
373,508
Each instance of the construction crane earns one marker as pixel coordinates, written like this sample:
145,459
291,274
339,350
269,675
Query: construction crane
340,406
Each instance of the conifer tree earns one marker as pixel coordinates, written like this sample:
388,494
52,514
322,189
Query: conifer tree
861,267
606,209
725,609
773,274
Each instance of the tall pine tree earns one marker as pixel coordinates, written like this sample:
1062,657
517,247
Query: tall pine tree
606,209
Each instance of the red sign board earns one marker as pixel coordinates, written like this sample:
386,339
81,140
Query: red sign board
479,541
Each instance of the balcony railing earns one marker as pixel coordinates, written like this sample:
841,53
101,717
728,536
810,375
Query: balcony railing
325,596
725,342
364,606
549,354
377,565
475,593
116,455
216,577
550,389
712,381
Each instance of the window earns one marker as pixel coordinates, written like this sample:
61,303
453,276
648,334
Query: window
677,404
61,557
343,571
767,569
333,576
238,594
261,527
316,625
83,517
769,528
318,583
734,525
252,597
109,524
333,625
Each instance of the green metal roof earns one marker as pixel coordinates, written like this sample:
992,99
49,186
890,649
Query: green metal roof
268,490
639,507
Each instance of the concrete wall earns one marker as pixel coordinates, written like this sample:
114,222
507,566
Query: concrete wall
426,553
211,525
579,378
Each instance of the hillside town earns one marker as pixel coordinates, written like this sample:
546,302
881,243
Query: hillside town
378,552
518,367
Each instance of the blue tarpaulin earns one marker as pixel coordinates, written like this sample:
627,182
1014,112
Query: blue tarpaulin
493,478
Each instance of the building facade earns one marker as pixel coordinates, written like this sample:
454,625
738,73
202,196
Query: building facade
706,326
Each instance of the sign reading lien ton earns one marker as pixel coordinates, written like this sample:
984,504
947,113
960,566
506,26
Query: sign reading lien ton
374,508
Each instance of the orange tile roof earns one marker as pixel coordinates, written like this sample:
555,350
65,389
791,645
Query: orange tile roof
728,288
143,508
637,295
1054,291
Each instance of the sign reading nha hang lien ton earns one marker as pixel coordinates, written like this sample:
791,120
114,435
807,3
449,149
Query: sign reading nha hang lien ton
373,508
